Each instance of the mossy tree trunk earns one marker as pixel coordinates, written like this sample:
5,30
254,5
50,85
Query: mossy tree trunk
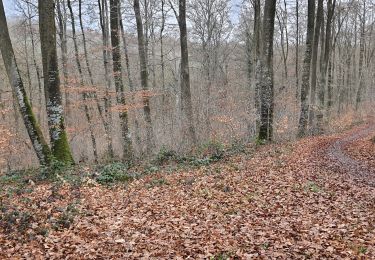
36,136
47,28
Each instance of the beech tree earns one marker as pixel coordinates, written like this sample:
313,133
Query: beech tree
55,113
188,129
264,73
144,77
117,71
33,129
305,88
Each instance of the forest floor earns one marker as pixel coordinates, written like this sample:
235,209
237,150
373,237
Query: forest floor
313,198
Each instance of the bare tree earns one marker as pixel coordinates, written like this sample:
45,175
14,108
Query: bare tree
117,71
305,88
144,77
33,129
188,129
264,73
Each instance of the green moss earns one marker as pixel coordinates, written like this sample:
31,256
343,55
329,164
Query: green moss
61,149
45,148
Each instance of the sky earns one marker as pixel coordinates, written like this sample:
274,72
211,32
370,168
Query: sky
7,5
9,8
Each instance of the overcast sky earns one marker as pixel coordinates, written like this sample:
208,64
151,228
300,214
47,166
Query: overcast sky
9,8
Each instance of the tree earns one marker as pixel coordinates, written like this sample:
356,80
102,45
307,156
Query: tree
211,27
318,26
144,77
325,65
188,129
264,73
55,113
33,129
305,87
103,21
119,85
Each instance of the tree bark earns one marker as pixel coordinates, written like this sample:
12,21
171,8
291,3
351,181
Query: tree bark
265,73
188,129
61,15
314,62
119,85
361,83
305,87
326,66
144,77
107,99
33,129
55,112
85,95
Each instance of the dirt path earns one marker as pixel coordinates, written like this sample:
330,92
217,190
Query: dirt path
355,169
308,199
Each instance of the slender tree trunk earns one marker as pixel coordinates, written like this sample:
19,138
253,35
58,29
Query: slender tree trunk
35,63
117,71
303,119
94,95
28,72
55,113
265,73
257,45
107,100
326,66
361,83
88,67
85,95
188,129
62,20
161,37
144,77
297,51
314,61
33,129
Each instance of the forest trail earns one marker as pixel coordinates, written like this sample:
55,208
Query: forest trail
313,198
360,171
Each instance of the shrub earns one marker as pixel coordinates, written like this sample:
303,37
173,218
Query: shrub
165,156
214,150
116,172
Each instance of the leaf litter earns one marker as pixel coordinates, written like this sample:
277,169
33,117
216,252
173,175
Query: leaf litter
286,201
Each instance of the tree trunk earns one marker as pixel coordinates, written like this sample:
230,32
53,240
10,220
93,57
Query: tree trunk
361,83
107,100
117,71
61,15
35,134
35,64
305,87
257,45
326,65
297,51
144,77
55,113
188,129
265,73
314,61
85,95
